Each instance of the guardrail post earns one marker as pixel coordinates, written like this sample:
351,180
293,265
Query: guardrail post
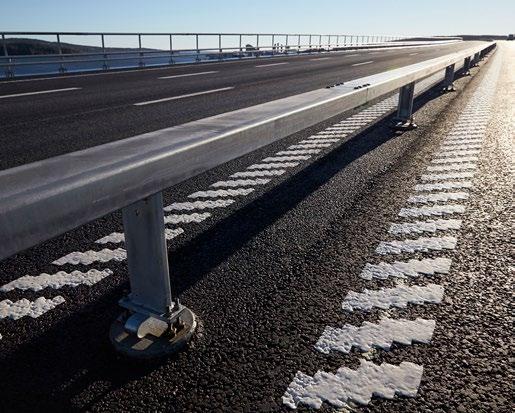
476,60
298,45
105,66
404,118
220,51
141,62
466,66
241,49
154,324
448,82
8,71
171,50
62,69
197,58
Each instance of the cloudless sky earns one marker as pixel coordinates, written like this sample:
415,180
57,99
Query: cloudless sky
395,17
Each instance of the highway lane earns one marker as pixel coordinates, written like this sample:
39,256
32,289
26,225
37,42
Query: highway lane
38,126
267,274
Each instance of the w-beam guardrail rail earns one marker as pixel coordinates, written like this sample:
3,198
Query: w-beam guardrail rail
41,200
203,47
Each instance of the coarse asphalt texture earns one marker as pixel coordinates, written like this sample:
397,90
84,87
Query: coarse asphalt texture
266,275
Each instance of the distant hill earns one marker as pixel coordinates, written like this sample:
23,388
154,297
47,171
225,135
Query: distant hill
18,46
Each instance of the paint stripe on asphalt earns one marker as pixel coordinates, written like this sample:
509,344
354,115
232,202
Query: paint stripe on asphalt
404,269
189,95
40,92
189,74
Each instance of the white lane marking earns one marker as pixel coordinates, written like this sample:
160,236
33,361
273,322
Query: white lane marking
452,167
353,385
443,186
320,58
447,176
189,74
119,237
24,307
371,335
438,197
187,218
422,244
318,140
220,193
418,227
286,158
431,210
240,182
455,160
413,54
363,63
41,92
57,280
403,269
190,206
273,165
310,146
189,95
399,297
453,153
272,64
258,173
352,55
463,147
299,152
322,137
459,142
89,257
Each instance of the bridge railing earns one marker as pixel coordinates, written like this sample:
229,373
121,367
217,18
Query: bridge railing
154,49
42,200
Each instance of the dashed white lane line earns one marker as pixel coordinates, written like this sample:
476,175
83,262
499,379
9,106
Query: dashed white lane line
221,193
363,63
320,58
356,386
272,64
443,186
438,197
119,237
433,210
187,218
190,206
89,257
413,54
189,74
444,177
56,281
371,335
399,297
422,244
419,227
352,55
40,92
240,182
189,95
404,269
24,307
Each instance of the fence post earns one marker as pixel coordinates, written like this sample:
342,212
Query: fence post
155,323
448,82
404,119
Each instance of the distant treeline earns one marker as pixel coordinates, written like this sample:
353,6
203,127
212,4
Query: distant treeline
18,47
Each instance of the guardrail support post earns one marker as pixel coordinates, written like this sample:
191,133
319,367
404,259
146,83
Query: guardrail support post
9,73
154,324
476,60
448,82
105,66
62,69
466,66
404,118
141,61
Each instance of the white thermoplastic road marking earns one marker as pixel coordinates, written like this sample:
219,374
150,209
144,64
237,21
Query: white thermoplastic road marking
320,58
24,307
272,64
189,74
189,95
363,63
404,269
41,92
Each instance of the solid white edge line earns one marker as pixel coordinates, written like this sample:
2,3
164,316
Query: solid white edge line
362,63
189,74
41,92
149,102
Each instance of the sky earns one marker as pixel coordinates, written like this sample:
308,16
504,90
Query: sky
399,17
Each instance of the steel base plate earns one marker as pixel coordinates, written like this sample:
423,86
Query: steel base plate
150,347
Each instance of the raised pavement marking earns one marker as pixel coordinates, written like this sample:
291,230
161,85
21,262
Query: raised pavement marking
432,210
24,307
221,193
441,186
422,244
419,227
438,197
404,269
89,257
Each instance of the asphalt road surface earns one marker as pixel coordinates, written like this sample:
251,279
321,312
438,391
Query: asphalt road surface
77,112
267,271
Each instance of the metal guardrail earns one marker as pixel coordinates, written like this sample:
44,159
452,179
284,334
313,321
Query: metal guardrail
105,58
44,199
